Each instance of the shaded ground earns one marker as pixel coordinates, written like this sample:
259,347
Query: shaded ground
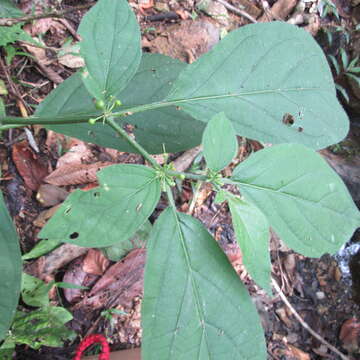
319,289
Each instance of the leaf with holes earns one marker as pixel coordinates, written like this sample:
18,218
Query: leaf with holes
195,306
169,126
252,232
100,217
10,269
304,200
219,142
256,75
110,48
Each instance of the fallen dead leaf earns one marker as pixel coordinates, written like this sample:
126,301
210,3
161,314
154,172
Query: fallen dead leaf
29,166
298,354
44,216
120,284
45,266
279,11
76,275
50,195
78,153
349,335
76,174
95,262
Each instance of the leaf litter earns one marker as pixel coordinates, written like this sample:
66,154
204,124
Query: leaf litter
292,270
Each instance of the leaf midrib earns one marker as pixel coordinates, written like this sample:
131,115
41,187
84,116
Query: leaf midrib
193,283
285,194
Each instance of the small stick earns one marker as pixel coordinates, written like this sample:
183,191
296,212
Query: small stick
237,11
304,324
22,105
13,21
170,15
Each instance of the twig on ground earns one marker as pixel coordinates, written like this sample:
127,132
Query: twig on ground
279,11
304,324
24,109
13,21
237,11
170,15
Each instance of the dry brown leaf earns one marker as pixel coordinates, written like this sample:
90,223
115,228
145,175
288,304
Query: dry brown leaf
349,334
29,166
121,282
279,11
41,26
44,216
39,54
72,61
47,265
78,153
95,262
76,174
50,195
298,354
76,275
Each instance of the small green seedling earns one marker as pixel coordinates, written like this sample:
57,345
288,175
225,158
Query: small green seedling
267,81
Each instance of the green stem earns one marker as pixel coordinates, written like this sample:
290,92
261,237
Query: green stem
112,123
82,118
170,198
7,127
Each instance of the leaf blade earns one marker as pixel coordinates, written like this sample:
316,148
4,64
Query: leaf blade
186,324
169,126
112,212
305,201
10,267
219,142
110,47
252,234
254,92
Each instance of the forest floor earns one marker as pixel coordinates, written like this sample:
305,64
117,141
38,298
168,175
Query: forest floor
325,292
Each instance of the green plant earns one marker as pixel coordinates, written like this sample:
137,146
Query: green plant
43,326
327,7
269,82
343,67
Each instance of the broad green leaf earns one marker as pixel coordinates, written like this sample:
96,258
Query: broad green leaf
259,73
42,327
34,291
126,197
118,250
219,142
168,126
195,306
304,200
110,47
8,9
10,269
41,248
252,232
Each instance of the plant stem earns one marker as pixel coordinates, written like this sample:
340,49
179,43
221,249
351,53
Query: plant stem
112,123
170,197
82,118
